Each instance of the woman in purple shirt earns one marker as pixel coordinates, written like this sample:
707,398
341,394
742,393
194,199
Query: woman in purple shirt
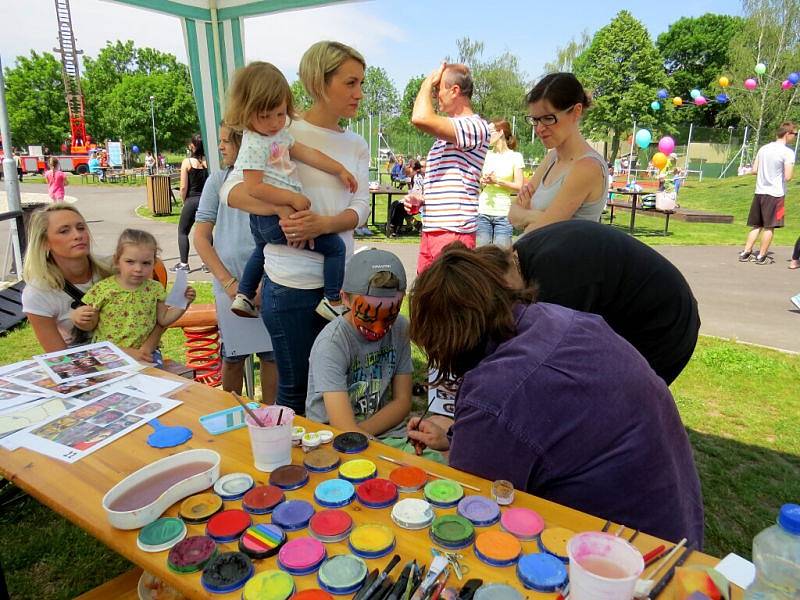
552,400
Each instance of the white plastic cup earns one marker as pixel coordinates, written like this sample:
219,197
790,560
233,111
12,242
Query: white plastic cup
271,444
593,558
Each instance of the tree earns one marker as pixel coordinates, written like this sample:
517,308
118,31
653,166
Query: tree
623,71
37,108
380,95
565,57
696,53
410,95
302,101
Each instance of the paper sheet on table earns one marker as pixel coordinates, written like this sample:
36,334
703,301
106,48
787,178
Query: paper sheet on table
177,295
149,386
12,399
240,335
442,401
81,362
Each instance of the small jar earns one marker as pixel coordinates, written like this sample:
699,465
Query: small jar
297,435
503,492
325,436
311,441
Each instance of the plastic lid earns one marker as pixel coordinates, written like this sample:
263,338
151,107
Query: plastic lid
200,508
269,585
331,523
262,540
312,595
554,541
443,491
350,442
343,573
301,553
262,499
233,486
789,518
289,477
498,546
358,469
372,537
292,514
191,553
408,477
479,510
452,529
321,459
227,572
541,572
161,534
377,492
228,525
334,492
524,523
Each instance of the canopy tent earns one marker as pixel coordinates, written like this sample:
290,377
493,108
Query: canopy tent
213,33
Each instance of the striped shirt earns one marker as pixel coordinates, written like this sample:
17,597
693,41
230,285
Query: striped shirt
452,178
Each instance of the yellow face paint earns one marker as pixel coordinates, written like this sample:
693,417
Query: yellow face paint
554,541
359,469
372,538
269,585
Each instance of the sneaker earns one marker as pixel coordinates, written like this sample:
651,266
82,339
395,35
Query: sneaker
761,260
181,266
204,268
244,307
328,311
796,301
745,256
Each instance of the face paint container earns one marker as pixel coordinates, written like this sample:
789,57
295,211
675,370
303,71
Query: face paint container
311,441
412,513
289,477
297,435
358,470
350,442
334,493
523,523
497,548
602,567
272,443
228,525
497,591
377,493
269,585
233,486
262,499
553,540
227,572
452,532
443,493
161,534
191,554
479,510
321,460
371,540
329,526
342,574
503,492
200,508
408,479
262,540
542,572
292,515
301,556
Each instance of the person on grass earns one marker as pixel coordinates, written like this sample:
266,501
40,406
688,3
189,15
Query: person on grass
194,172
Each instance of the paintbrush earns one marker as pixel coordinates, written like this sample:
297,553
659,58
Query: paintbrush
667,558
381,578
402,582
431,473
634,536
664,581
248,409
654,555
606,526
373,575
425,414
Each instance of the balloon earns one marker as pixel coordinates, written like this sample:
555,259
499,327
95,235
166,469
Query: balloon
677,101
655,105
666,144
722,98
135,149
793,78
695,93
662,94
750,84
760,69
700,101
643,138
786,85
724,81
659,160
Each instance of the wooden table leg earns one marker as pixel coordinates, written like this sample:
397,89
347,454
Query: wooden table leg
373,209
634,199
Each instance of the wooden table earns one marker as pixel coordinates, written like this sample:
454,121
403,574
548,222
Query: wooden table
634,201
75,491
389,191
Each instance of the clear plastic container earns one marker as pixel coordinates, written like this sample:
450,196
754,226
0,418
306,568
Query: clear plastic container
776,554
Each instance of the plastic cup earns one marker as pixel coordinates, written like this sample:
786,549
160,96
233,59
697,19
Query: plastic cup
272,444
602,567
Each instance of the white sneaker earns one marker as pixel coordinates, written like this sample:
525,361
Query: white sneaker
328,311
181,266
244,307
796,300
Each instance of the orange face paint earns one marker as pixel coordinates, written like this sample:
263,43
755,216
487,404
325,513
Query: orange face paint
373,316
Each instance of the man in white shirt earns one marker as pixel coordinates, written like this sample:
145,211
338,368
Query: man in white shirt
773,167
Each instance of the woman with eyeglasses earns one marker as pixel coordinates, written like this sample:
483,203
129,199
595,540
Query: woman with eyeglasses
572,181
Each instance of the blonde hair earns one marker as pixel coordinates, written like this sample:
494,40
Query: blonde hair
321,61
40,267
256,88
53,162
134,237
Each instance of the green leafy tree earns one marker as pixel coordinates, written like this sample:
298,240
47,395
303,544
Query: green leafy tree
566,55
623,71
410,95
302,101
380,95
37,109
696,53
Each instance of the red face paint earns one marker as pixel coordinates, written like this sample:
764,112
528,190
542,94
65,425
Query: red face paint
374,316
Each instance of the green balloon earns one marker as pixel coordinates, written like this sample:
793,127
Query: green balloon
761,68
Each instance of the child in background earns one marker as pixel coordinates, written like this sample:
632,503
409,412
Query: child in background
125,307
56,180
260,103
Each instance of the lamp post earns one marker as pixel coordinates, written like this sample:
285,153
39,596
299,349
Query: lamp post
153,119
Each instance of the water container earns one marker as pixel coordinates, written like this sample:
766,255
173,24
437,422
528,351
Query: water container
776,554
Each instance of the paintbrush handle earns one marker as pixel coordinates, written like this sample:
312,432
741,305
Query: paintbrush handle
249,410
664,581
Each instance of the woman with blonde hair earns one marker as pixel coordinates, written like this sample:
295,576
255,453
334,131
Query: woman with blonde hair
56,180
332,74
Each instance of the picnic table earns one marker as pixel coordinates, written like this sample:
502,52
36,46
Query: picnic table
76,490
635,197
390,192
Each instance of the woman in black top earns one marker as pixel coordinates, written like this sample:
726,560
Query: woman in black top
194,172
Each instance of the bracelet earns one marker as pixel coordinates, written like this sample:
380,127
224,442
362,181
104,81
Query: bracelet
229,283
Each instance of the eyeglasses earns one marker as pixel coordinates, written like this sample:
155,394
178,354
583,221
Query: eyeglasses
546,120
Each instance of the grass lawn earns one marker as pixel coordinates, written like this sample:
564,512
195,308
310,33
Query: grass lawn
77,180
738,402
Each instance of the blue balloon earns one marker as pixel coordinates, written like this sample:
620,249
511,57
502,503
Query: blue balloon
695,93
643,138
793,78
722,98
135,149
663,94
655,105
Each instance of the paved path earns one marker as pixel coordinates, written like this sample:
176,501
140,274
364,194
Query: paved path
744,301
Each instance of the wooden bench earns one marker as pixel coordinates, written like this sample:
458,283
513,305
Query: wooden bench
124,587
681,214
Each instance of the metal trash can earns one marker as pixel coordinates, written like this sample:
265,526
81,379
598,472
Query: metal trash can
159,195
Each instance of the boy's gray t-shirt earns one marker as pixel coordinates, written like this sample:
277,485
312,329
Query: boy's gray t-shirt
342,360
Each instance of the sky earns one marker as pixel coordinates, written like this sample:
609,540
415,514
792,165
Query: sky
405,37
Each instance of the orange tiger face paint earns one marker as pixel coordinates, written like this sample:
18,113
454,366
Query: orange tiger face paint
374,316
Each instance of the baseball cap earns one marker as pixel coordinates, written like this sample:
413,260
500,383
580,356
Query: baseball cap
363,265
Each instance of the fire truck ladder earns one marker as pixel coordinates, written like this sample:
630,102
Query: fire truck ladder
70,71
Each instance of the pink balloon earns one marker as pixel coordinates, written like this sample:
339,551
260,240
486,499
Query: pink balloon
786,85
700,101
666,145
750,84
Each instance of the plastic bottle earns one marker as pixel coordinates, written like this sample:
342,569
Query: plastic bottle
776,554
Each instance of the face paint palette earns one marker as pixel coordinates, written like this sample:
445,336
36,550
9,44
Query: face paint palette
371,540
289,477
312,595
262,540
262,499
191,554
443,493
412,513
200,508
408,479
377,493
452,532
497,591
227,572
233,486
554,541
301,556
321,460
228,525
497,548
479,510
293,515
329,526
542,572
269,585
334,493
358,470
161,534
350,442
342,574
523,523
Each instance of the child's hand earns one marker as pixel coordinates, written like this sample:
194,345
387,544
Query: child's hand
84,316
346,177
300,202
190,294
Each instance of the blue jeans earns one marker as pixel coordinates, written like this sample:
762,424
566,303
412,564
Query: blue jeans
293,324
266,230
494,230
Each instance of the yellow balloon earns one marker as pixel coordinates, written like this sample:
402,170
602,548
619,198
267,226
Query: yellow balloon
677,100
724,82
659,160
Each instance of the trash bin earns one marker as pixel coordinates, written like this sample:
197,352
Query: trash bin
159,194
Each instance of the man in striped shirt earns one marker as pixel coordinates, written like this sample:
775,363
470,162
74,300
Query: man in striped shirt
452,175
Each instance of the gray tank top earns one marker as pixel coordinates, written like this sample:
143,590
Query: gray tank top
591,209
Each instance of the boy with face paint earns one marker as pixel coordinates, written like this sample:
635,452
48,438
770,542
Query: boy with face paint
360,367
